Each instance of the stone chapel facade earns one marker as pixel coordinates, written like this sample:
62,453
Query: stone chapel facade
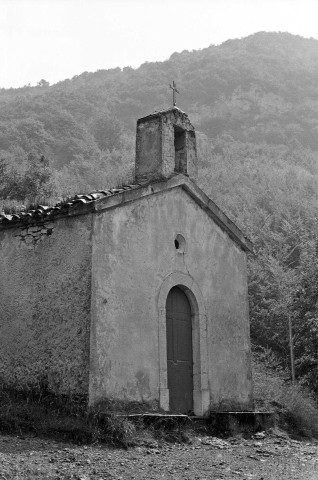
136,294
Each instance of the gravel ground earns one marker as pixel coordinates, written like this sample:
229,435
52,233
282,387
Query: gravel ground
263,457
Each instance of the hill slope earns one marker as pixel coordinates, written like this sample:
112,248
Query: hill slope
259,89
254,103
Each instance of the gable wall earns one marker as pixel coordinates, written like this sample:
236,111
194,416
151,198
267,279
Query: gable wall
133,253
45,308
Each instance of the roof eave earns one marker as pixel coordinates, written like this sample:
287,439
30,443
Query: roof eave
143,190
219,216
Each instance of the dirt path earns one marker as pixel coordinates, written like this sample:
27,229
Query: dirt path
207,458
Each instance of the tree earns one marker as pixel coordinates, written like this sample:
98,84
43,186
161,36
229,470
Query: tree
107,132
43,83
35,181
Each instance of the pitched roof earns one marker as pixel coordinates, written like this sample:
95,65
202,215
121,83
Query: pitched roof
115,197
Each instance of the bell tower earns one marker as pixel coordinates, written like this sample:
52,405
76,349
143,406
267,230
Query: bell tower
165,146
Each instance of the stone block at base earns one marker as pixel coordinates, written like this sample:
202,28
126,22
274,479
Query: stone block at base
239,422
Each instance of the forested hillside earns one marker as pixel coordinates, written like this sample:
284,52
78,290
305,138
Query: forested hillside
254,103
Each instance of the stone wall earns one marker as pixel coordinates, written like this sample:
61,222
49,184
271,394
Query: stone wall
45,288
30,235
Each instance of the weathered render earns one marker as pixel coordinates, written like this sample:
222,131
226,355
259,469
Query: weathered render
84,286
134,259
45,289
165,145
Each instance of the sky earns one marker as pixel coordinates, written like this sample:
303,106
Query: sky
57,39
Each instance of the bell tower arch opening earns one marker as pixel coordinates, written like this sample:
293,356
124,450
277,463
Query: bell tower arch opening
180,152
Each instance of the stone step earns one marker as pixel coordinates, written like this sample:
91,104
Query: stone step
216,423
241,422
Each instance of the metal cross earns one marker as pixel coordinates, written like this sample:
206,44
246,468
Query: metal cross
174,88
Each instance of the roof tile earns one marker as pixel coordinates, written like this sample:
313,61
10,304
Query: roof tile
45,211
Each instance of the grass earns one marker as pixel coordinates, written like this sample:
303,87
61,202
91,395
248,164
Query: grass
63,418
69,419
296,408
17,206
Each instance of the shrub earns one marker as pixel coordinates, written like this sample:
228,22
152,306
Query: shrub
299,411
296,407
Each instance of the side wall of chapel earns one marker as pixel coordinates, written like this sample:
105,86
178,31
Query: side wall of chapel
45,289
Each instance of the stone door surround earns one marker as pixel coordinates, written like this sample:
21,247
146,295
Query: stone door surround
201,394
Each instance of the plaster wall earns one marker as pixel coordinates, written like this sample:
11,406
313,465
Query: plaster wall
133,255
45,307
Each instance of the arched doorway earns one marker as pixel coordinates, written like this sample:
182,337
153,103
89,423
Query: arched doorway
179,351
201,393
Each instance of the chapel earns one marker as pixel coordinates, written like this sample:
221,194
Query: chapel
136,293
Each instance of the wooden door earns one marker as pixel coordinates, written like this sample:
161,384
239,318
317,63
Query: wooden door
179,352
